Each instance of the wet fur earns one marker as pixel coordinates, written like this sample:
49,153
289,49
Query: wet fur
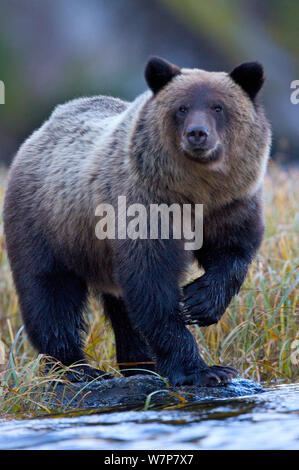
92,150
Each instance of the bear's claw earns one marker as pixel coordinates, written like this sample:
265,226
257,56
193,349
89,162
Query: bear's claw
200,305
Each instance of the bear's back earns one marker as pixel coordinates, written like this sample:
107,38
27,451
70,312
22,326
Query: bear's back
92,107
84,115
48,169
68,136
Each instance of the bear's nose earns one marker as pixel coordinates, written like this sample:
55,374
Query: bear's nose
197,135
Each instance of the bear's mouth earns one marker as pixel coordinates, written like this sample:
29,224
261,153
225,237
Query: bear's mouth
205,156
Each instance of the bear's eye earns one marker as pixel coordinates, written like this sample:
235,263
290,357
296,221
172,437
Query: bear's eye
183,109
217,107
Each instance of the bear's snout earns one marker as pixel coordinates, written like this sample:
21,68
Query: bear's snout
197,136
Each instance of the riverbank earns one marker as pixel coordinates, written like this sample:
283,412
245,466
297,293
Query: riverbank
258,333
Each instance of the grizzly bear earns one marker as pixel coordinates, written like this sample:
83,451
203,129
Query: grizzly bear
195,137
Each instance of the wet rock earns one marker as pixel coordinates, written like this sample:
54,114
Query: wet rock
142,391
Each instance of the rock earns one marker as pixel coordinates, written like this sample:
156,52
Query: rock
142,391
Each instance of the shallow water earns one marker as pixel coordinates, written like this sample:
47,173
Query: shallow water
264,421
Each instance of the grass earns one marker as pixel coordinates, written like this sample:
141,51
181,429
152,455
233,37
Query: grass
257,334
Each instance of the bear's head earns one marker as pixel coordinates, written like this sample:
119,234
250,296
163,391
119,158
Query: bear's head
211,118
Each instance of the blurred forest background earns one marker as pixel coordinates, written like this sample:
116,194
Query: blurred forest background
55,50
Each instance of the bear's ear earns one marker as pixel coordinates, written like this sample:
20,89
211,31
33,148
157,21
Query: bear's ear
158,72
250,77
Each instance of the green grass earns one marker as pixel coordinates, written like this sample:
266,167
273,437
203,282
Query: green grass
255,335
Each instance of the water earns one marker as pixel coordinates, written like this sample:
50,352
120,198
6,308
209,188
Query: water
264,421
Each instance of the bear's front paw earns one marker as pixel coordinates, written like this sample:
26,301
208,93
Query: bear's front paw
201,305
208,377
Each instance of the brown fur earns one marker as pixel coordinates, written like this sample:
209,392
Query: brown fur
101,163
93,150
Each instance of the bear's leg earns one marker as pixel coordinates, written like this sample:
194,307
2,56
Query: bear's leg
149,275
132,350
225,263
52,300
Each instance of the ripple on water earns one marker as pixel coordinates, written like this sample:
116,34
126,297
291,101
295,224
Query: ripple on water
266,421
